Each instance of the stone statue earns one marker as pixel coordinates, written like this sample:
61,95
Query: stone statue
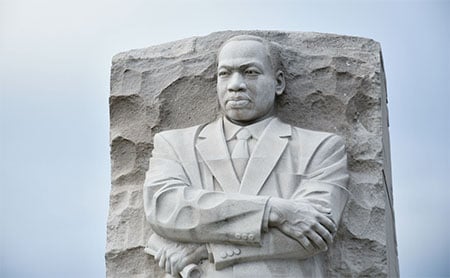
245,195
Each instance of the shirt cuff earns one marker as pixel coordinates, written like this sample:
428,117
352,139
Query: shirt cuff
265,222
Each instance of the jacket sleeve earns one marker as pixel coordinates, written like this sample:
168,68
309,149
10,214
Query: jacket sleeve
324,184
183,212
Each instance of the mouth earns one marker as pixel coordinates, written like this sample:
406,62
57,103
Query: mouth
237,101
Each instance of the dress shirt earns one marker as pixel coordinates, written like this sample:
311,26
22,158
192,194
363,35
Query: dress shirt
256,129
230,130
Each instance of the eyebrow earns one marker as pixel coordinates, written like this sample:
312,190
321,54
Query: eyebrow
243,66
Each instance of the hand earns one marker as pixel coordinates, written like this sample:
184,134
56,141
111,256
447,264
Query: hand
309,224
173,258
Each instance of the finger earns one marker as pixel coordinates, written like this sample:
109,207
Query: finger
171,250
158,254
285,229
174,262
173,266
327,223
162,261
183,262
321,208
178,266
305,242
298,236
316,239
168,266
324,233
194,257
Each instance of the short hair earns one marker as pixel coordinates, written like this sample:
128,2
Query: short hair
273,49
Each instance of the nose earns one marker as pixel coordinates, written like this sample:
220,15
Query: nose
236,83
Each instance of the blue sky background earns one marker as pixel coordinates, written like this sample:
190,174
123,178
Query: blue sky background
55,59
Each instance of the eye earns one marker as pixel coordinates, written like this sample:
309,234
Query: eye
223,73
252,72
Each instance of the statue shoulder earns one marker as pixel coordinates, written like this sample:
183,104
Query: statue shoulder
186,135
179,133
317,137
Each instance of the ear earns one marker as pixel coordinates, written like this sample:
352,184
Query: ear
281,83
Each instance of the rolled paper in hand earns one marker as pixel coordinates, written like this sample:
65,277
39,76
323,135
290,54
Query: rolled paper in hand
156,242
191,271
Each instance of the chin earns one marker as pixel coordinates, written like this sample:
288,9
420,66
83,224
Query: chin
241,116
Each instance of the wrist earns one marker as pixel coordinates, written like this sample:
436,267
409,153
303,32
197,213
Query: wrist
275,215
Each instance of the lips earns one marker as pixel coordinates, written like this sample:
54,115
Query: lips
237,102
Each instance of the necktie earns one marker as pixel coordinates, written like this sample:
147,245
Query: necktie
241,152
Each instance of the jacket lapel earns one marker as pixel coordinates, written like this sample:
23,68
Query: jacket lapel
213,149
267,152
188,156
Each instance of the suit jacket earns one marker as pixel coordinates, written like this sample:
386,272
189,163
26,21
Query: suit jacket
191,194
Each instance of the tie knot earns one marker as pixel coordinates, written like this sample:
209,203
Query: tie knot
243,134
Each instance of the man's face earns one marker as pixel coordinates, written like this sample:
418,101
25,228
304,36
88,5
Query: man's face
246,82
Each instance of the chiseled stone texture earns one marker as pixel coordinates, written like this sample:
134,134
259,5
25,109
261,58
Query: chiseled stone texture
334,83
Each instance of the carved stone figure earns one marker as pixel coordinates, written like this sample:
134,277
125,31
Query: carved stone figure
245,195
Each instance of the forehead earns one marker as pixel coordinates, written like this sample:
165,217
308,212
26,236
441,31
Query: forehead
239,52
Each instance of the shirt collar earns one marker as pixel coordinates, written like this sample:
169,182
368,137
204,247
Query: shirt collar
256,129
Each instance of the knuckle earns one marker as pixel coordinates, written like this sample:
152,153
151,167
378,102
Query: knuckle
312,222
320,218
309,229
287,228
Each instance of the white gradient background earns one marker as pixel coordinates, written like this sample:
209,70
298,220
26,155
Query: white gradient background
55,59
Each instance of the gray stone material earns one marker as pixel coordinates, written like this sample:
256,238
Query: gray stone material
334,83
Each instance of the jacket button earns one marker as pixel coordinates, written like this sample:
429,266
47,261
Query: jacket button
223,255
237,251
244,236
251,237
230,253
237,235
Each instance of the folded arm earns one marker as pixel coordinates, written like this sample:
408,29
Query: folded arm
304,225
184,212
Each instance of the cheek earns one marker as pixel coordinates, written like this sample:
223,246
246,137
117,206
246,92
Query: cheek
219,89
262,85
220,99
264,93
264,104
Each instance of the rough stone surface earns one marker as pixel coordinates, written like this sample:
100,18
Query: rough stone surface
334,83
